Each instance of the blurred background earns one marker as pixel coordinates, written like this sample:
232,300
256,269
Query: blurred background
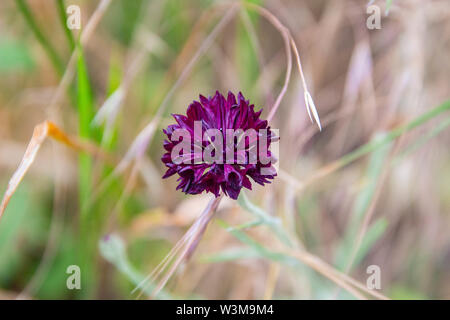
369,189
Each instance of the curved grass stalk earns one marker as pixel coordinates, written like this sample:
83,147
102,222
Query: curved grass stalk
289,43
286,38
40,134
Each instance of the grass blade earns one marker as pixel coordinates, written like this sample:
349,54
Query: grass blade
63,18
40,134
113,250
375,144
48,48
272,222
85,170
347,247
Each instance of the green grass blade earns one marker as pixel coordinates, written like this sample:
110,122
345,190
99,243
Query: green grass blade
423,140
391,135
258,248
113,250
85,114
63,18
231,254
272,222
346,248
375,231
51,52
87,225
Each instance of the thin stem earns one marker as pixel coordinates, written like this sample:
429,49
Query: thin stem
375,144
51,52
63,19
182,249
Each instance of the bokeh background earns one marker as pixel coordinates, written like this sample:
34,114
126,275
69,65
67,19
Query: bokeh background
387,204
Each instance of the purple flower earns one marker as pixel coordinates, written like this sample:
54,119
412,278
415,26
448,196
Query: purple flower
222,114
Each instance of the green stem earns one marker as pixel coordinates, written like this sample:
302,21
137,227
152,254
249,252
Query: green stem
87,225
423,139
54,58
392,135
63,18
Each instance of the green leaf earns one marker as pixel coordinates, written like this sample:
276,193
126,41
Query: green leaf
113,250
232,254
258,248
272,222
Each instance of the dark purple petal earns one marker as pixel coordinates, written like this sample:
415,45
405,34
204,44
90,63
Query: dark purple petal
220,113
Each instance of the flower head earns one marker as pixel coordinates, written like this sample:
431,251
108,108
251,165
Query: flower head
236,150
